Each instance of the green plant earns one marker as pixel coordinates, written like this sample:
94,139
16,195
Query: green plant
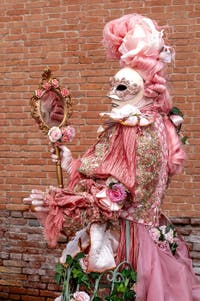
117,284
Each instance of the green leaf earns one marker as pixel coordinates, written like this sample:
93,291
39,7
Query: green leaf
112,298
129,295
173,247
168,228
96,298
121,288
176,111
76,273
69,260
79,256
133,276
184,139
59,275
58,278
162,237
126,282
59,268
94,275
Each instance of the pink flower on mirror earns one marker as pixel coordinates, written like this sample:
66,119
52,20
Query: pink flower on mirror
58,298
39,93
46,86
81,296
55,83
68,133
117,193
65,92
54,134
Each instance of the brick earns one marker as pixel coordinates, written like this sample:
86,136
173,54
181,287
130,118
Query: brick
32,298
18,290
10,270
197,271
47,293
194,238
11,282
195,255
196,247
14,297
13,263
4,296
36,285
195,221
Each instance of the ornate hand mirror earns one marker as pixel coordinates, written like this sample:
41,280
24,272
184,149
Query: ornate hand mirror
51,107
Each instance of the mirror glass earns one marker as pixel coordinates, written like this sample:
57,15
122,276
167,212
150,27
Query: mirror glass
52,108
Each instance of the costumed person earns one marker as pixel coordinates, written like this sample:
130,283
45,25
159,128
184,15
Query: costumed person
120,181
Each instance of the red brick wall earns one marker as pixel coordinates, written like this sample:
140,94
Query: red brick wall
66,35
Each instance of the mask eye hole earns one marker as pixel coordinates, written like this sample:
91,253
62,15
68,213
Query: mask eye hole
121,88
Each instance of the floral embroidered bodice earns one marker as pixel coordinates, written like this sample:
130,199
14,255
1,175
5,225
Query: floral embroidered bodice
151,171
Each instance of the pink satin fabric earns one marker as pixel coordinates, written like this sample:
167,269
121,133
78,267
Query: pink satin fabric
163,276
177,155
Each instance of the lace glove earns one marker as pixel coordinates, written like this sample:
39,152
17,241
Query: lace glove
66,158
37,201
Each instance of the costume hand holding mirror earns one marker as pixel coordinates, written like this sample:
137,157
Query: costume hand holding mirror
51,107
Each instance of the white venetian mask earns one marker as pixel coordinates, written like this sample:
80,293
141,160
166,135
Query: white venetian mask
127,87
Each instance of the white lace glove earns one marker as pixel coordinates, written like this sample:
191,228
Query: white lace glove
37,201
66,158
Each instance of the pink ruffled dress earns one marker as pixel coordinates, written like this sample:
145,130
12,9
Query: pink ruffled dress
123,178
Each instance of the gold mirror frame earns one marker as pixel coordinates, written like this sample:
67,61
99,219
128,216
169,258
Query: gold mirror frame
35,101
48,83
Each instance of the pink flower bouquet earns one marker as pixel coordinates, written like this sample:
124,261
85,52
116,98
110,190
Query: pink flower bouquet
61,135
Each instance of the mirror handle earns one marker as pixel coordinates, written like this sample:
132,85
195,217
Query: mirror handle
59,168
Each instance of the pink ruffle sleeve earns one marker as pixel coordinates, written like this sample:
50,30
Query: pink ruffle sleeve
71,211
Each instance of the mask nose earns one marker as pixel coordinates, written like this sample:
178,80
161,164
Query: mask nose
111,95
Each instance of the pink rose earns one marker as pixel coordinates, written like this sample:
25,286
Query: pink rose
46,86
39,93
163,229
169,236
54,134
84,263
68,133
117,193
81,296
65,92
55,83
155,234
